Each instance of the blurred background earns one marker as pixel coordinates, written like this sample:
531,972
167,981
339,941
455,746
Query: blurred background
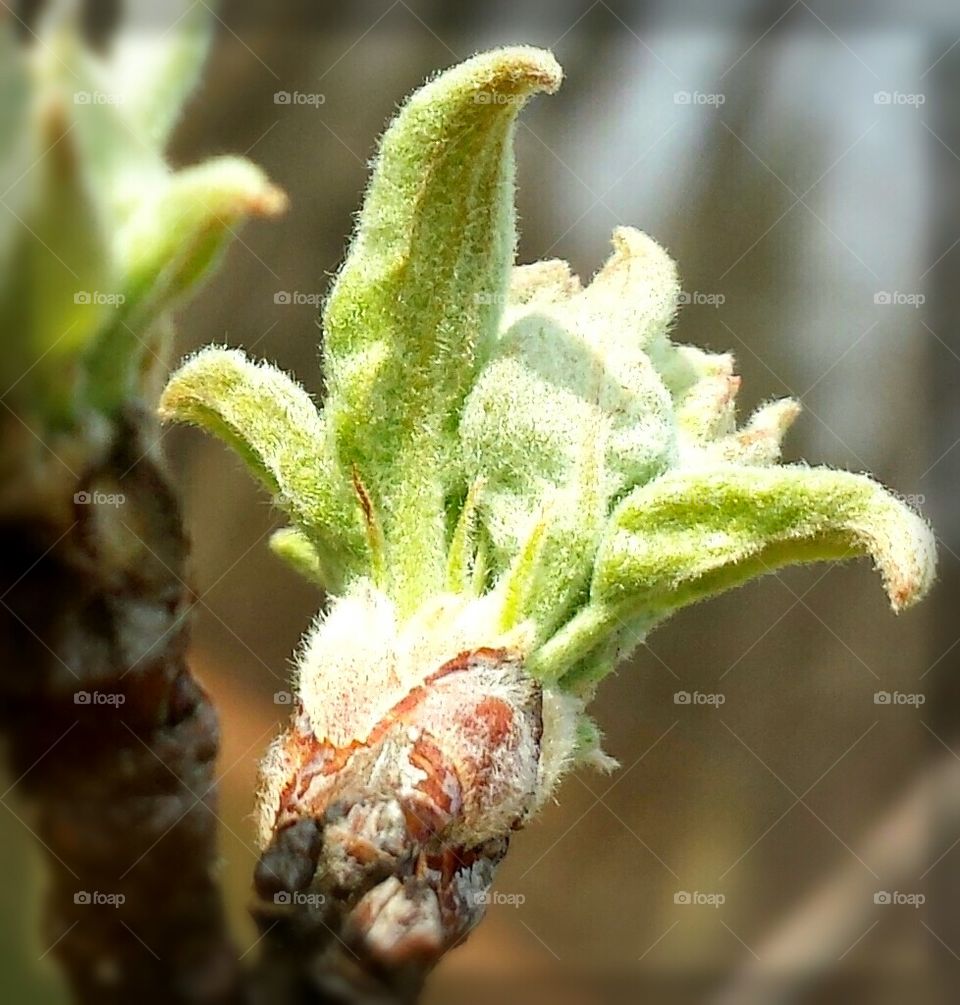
792,833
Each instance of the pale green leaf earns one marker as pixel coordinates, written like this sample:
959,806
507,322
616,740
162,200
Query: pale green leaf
57,288
275,428
155,65
169,244
416,305
691,534
569,413
298,551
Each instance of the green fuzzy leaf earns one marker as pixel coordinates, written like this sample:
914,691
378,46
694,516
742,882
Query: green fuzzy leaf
98,238
691,534
415,308
156,67
172,239
569,413
298,551
72,263
116,151
167,247
550,574
56,291
462,557
274,427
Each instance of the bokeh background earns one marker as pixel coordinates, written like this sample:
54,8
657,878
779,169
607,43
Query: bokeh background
802,163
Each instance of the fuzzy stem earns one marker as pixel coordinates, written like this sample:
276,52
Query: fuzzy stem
573,642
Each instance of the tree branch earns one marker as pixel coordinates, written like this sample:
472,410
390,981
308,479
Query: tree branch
111,739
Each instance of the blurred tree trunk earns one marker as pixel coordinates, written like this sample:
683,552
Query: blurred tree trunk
111,741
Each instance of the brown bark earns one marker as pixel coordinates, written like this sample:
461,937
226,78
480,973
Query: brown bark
111,740
304,959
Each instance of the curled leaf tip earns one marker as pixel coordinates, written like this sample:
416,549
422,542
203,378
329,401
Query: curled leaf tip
269,201
542,283
506,76
904,550
515,69
230,187
637,265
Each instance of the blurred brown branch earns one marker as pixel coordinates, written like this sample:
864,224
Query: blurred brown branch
111,740
815,937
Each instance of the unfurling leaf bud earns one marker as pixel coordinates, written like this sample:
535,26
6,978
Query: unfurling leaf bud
99,238
514,478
